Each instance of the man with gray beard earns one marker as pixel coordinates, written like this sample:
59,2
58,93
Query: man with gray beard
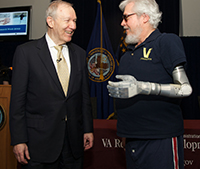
153,81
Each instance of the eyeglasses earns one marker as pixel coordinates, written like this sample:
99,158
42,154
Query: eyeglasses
126,16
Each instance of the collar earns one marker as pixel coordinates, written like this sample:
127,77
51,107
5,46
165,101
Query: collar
151,37
50,42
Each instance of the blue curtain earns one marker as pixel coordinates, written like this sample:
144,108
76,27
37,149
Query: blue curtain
190,105
86,12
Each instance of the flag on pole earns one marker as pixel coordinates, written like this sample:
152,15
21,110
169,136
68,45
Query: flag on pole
101,65
121,48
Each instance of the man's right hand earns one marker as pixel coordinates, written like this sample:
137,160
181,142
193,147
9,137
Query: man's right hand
21,153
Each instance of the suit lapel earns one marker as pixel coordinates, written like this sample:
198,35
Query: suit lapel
45,56
73,59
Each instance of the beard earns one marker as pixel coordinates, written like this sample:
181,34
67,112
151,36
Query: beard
133,38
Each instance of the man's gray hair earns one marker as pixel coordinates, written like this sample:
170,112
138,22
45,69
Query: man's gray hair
149,7
53,6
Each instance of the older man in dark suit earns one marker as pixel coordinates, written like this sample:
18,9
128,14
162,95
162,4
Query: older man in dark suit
50,118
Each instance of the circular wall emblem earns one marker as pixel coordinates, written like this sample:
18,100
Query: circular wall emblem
2,117
101,64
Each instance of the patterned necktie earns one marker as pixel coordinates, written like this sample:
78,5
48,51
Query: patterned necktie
62,69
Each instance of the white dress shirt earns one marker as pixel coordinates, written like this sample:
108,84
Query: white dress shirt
53,51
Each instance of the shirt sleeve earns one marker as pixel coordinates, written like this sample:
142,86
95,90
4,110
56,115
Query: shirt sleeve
172,52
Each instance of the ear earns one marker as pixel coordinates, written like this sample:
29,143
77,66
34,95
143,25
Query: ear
145,18
50,21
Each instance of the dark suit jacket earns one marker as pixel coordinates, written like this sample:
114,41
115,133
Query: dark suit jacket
38,104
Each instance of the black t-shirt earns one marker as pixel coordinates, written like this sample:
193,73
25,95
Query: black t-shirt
151,116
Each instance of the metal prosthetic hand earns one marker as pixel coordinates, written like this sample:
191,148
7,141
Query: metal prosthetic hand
130,87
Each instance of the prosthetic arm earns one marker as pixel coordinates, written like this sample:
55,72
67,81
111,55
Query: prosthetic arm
130,87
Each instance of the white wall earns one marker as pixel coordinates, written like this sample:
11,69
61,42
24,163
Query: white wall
190,17
38,26
190,13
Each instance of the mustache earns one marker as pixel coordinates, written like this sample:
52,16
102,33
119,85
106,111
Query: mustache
124,27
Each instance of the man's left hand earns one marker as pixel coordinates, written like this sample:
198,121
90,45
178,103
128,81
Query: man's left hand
88,140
